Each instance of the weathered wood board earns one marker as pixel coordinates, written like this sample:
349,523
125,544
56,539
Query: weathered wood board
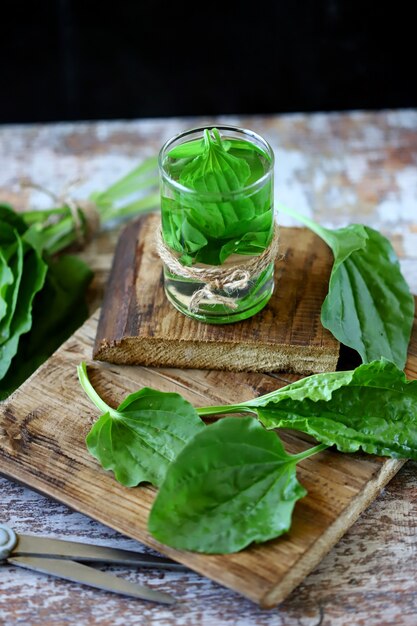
138,325
42,431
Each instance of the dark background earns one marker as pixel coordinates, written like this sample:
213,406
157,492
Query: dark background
81,59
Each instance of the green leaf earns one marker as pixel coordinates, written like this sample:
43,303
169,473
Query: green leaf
10,218
228,221
58,310
246,146
45,301
377,313
215,170
132,194
6,279
250,243
191,149
15,261
50,239
193,239
143,436
260,224
211,217
373,408
369,306
188,149
143,175
233,484
32,279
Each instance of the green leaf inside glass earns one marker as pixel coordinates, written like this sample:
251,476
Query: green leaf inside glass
218,219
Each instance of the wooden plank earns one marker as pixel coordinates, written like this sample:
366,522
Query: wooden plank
42,431
139,326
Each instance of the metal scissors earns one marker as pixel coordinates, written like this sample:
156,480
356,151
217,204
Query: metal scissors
61,558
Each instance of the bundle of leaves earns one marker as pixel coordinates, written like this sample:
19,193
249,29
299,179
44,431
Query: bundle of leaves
42,293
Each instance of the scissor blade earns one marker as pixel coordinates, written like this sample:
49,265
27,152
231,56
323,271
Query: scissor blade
28,545
85,575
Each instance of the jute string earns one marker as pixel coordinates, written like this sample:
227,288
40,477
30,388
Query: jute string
84,213
219,278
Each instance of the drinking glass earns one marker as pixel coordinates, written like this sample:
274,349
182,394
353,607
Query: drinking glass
213,227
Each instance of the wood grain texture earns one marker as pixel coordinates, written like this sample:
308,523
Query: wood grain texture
138,325
367,579
43,427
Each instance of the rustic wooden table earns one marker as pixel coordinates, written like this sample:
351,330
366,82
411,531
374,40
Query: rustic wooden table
337,168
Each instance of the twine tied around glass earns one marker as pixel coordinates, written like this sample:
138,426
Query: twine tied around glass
214,279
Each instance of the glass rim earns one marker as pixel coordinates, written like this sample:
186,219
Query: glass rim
211,194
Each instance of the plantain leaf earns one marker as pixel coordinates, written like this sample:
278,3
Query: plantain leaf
139,439
218,219
6,279
233,484
369,306
58,310
29,281
372,408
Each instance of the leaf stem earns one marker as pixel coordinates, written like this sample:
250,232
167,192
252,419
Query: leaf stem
223,410
132,181
217,137
319,230
147,202
54,230
92,393
309,452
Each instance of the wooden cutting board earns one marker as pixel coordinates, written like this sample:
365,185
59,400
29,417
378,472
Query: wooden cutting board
138,325
44,423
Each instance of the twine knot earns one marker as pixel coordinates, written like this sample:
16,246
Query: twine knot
84,213
238,279
217,279
85,216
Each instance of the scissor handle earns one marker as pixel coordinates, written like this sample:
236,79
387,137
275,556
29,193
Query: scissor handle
8,541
